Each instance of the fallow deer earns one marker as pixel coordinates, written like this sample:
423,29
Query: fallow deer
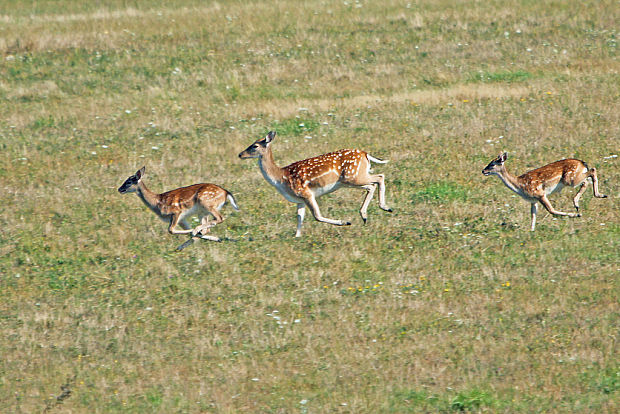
535,185
176,206
302,182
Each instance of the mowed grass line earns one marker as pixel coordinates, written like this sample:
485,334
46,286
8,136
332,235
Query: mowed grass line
447,304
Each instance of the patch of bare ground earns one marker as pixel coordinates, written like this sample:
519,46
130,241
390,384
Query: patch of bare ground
282,109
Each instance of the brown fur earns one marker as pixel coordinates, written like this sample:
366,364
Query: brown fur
176,205
569,172
536,185
303,181
346,166
184,198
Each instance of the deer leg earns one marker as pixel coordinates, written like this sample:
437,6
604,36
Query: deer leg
205,226
218,219
577,197
216,215
371,191
174,220
301,212
316,212
545,202
380,180
186,226
200,232
597,194
533,210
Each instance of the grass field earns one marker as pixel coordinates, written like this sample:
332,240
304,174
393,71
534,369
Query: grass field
447,304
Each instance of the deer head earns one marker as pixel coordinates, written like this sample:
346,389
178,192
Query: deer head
496,166
259,147
131,184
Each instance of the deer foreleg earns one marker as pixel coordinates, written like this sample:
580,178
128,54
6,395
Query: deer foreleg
316,212
545,202
301,212
533,210
174,220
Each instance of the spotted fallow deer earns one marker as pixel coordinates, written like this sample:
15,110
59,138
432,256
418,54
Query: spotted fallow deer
534,186
304,181
177,205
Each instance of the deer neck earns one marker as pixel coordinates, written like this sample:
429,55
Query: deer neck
149,198
272,173
510,181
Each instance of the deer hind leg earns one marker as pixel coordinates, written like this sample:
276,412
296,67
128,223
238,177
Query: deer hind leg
380,180
370,192
592,173
545,202
217,216
316,212
301,212
187,228
582,189
533,210
205,226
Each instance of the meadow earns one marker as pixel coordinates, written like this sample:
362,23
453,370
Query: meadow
448,304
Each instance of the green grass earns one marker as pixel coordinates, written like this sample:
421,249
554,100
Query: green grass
447,304
502,76
439,192
296,126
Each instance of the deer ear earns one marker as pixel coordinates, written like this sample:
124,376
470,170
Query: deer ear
503,156
270,136
140,172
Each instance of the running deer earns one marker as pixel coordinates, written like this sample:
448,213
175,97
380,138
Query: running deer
177,205
534,186
304,181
